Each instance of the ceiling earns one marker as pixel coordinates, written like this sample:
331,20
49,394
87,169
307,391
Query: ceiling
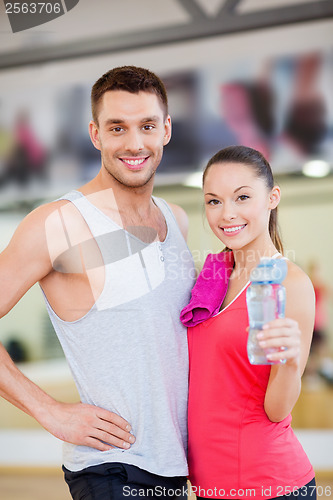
95,27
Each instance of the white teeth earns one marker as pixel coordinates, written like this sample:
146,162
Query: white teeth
135,162
232,229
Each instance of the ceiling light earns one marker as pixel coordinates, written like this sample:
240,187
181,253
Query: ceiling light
316,168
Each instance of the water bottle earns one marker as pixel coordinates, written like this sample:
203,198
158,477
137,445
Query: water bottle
265,298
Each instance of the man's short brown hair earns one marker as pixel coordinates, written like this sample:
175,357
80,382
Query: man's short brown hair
131,79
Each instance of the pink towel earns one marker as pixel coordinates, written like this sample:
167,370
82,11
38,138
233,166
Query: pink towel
210,289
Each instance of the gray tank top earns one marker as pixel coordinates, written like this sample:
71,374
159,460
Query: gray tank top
129,353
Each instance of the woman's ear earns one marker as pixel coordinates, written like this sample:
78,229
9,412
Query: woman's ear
274,197
94,135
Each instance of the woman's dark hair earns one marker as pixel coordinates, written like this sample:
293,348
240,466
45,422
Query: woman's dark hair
252,158
131,79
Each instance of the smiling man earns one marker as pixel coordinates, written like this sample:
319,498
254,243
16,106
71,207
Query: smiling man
105,257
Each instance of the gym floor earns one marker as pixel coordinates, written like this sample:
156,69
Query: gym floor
314,410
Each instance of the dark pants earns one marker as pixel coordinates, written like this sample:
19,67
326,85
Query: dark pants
116,481
307,492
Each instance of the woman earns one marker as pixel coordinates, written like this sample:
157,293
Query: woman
241,444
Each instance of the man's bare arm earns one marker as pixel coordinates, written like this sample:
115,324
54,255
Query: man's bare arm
24,262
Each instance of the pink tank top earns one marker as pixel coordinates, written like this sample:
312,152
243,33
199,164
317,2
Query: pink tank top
235,451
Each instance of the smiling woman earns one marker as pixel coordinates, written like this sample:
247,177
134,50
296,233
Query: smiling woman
233,165
238,208
253,446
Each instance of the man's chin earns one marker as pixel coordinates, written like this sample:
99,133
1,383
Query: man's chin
138,183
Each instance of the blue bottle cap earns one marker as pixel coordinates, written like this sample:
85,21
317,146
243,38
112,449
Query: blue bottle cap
269,271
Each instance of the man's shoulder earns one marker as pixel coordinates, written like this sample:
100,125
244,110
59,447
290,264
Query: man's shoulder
42,213
53,220
181,218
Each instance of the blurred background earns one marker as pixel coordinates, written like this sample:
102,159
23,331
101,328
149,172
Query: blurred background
252,72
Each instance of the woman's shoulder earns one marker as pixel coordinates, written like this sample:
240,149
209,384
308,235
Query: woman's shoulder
298,283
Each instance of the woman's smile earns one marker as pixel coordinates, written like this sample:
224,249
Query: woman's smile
233,230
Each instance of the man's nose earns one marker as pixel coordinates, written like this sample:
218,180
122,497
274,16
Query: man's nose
134,141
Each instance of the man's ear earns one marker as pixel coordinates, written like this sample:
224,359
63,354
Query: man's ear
167,128
94,135
274,197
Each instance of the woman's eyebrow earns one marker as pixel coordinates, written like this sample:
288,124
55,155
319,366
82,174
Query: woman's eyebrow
241,187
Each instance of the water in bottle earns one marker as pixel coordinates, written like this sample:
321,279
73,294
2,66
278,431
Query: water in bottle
265,298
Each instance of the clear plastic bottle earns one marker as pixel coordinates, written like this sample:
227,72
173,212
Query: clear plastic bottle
265,298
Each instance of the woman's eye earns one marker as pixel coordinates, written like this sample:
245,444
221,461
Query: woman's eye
213,202
243,197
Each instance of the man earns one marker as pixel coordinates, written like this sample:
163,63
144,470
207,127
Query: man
115,272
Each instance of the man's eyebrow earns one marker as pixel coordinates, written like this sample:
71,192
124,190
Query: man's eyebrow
113,121
118,121
154,118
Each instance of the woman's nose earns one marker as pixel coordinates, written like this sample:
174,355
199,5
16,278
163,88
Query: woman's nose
228,212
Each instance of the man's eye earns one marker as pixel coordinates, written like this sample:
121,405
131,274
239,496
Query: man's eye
117,129
148,127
